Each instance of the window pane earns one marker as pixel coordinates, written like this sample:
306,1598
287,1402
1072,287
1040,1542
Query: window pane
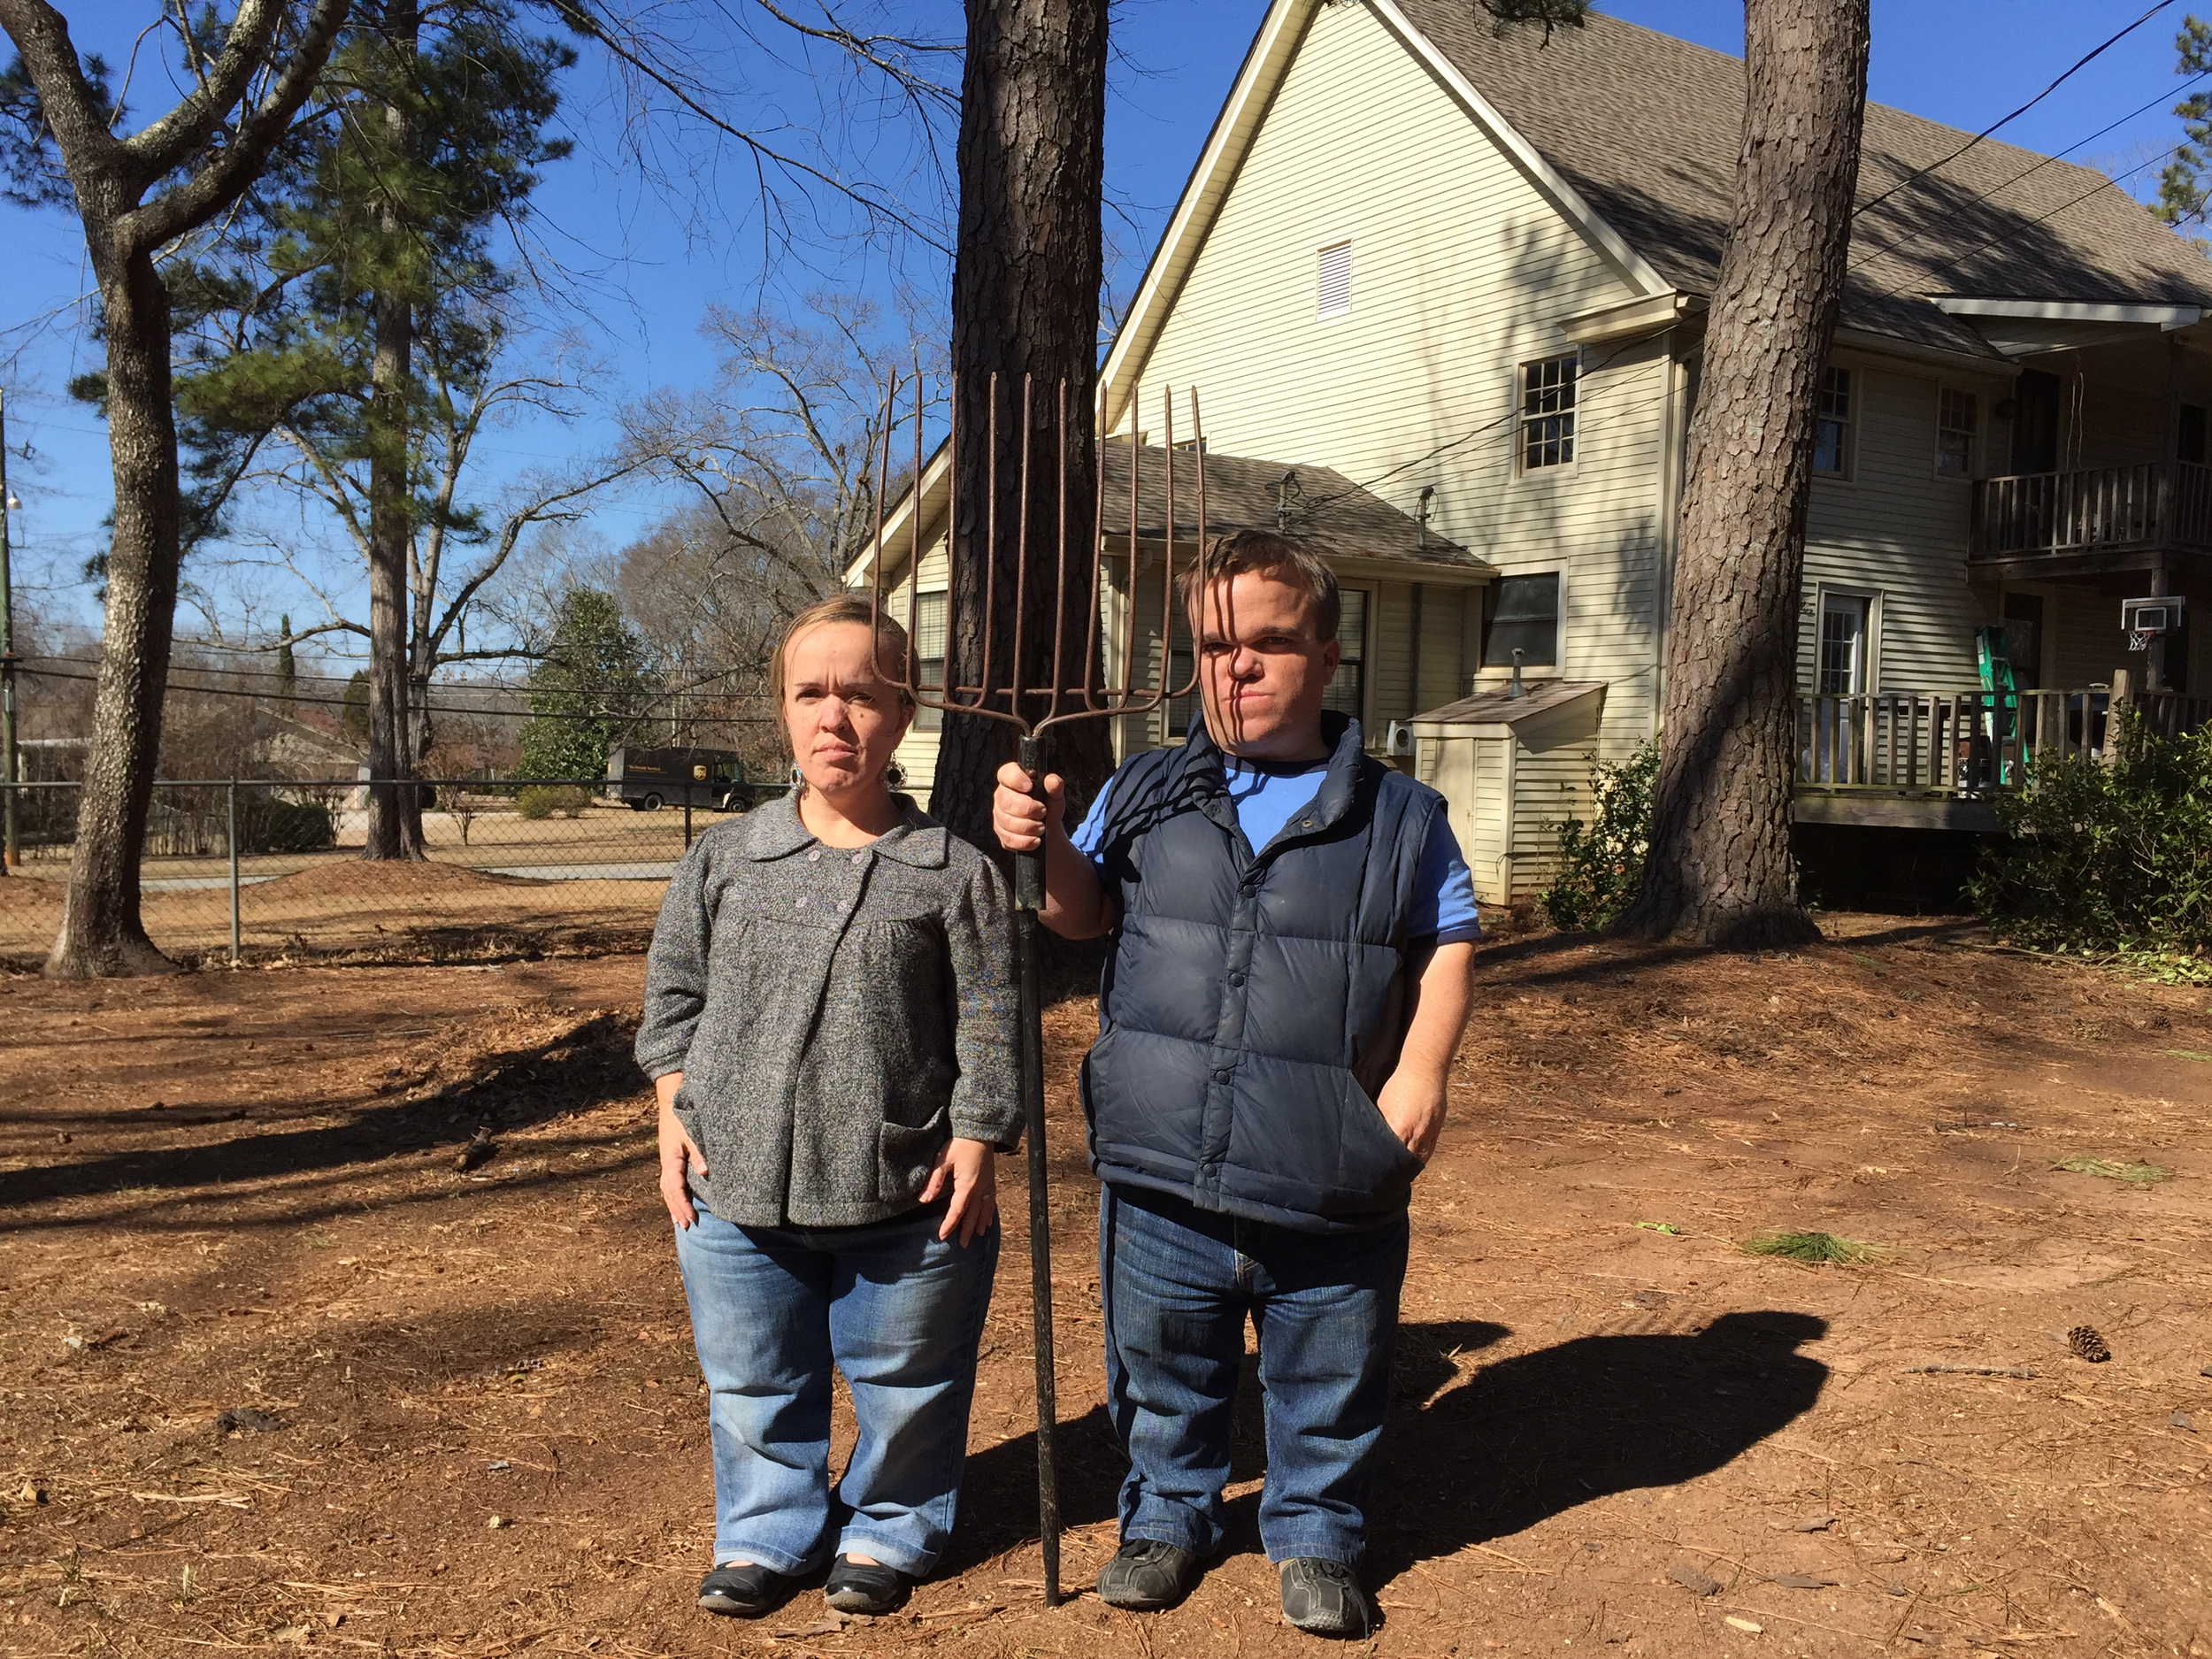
1831,440
929,627
1351,627
1957,416
1842,668
1346,692
1523,615
1548,405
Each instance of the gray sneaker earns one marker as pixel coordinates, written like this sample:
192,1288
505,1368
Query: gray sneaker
1322,1598
1146,1575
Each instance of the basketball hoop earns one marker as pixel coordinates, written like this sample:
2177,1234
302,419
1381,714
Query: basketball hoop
2141,642
2144,620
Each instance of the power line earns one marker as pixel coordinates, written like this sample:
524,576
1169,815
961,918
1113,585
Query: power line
492,685
2079,63
2041,162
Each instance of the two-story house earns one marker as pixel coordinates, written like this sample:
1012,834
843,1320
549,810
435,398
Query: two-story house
1440,287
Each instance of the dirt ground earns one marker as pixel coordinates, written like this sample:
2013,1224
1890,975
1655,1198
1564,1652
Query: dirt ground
466,1420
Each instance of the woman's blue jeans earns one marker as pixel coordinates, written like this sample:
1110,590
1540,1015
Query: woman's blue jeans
1179,1284
900,1313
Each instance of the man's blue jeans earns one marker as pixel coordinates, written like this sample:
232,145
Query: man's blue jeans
896,1309
1178,1283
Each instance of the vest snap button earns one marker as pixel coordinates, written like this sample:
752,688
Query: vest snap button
1236,978
1221,1075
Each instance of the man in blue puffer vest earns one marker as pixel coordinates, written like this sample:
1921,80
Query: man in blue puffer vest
1292,931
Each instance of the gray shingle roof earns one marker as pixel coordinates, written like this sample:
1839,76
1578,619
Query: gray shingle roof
1646,126
1327,511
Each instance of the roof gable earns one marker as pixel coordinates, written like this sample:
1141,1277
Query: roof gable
1631,137
1645,127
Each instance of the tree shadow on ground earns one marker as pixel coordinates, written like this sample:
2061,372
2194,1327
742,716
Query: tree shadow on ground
513,1088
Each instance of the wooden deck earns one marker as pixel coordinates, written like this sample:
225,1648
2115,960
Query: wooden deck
1938,760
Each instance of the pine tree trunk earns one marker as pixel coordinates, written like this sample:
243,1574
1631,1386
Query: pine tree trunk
101,933
394,827
1719,870
1025,301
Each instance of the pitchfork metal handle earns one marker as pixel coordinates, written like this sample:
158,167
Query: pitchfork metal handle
1029,868
1029,895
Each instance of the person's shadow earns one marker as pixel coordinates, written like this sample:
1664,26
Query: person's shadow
1519,1441
1540,1433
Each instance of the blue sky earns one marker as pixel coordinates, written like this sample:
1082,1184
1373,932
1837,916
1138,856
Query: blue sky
655,263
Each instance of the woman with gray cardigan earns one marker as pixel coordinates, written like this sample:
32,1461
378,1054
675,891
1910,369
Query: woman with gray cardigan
830,1023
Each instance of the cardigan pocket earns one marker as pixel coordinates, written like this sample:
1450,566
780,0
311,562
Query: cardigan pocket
906,1153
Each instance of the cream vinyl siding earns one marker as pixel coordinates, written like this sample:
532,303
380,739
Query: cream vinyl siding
917,752
1459,267
1897,530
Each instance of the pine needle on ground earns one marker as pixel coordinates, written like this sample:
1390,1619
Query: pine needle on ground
1812,1247
2143,1174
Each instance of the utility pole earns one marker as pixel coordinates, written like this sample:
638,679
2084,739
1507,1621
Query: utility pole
10,852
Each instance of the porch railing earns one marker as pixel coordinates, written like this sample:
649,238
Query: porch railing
2119,509
1966,742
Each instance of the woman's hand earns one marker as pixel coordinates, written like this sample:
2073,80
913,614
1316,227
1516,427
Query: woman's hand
679,1153
968,1166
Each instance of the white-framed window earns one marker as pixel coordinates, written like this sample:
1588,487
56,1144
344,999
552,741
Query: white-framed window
1843,664
1333,290
1832,431
1521,613
1958,424
1348,692
929,654
1548,390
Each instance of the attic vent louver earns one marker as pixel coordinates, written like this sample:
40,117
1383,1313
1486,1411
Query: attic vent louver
1336,282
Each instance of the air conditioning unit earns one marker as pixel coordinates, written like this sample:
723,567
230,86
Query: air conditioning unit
1398,740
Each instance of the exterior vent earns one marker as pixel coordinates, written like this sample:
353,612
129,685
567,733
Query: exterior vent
1336,282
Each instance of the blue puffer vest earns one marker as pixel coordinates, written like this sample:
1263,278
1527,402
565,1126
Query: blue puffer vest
1256,1002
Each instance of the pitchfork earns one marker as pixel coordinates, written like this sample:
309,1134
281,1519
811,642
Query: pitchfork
981,690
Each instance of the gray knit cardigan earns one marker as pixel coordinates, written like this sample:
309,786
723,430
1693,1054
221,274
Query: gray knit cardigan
837,1013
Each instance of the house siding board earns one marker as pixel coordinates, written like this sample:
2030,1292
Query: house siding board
1897,530
1458,266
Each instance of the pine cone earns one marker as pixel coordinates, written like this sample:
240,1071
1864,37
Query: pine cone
2087,1344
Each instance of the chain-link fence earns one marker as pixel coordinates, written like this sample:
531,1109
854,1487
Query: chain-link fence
261,870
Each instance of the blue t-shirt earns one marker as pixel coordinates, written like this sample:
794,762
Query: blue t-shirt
1268,795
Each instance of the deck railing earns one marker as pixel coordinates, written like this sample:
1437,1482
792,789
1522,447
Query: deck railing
2148,505
1965,742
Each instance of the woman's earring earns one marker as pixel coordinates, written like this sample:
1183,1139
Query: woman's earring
798,778
893,775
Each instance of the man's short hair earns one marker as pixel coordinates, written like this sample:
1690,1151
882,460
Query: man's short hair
1265,553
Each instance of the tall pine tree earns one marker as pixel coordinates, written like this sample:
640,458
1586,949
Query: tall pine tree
361,307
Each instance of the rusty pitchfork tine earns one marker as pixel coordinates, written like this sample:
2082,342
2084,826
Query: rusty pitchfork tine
1099,699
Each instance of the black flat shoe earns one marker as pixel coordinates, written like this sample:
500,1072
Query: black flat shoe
856,1589
744,1589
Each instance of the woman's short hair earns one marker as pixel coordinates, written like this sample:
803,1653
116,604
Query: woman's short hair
1267,553
890,639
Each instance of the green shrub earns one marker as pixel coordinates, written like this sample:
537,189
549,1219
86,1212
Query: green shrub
297,826
543,800
1601,864
2107,858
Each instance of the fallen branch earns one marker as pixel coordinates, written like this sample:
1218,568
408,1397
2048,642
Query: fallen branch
230,1498
2020,1371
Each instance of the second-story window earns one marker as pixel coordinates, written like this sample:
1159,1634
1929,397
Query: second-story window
1831,434
1548,411
1335,299
1957,417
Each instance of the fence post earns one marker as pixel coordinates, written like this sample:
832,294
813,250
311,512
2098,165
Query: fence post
232,839
686,819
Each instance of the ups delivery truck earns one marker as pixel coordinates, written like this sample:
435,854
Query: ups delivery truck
649,779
